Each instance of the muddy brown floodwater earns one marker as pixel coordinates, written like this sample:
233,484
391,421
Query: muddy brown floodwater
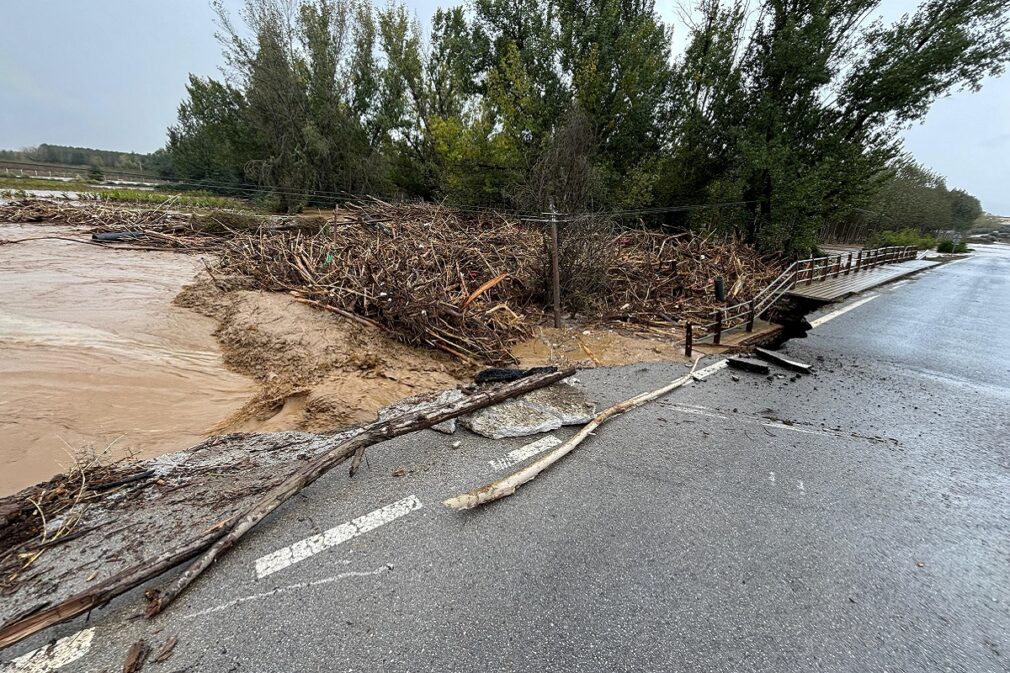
94,356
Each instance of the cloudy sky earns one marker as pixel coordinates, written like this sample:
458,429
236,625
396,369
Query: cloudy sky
110,73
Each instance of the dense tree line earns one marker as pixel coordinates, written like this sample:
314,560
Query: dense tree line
791,107
917,198
86,156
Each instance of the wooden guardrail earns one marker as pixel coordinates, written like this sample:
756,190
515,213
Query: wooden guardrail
808,271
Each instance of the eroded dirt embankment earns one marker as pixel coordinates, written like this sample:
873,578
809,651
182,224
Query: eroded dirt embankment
316,371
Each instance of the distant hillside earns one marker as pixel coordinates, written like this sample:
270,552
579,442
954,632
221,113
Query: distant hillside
64,155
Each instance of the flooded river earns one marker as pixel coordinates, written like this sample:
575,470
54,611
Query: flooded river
93,355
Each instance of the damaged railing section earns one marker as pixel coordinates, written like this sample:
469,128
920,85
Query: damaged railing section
814,269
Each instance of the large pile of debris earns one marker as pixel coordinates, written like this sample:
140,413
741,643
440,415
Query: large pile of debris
92,215
473,284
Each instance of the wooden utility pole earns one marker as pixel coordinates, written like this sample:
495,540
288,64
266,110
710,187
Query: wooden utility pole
555,268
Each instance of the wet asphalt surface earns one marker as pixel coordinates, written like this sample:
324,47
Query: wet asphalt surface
857,519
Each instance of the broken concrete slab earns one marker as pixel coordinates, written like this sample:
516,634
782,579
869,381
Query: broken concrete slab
782,361
565,401
511,418
536,412
748,365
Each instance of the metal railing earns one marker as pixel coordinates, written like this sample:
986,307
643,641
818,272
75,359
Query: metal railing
815,269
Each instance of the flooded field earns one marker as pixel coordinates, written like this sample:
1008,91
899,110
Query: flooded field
94,355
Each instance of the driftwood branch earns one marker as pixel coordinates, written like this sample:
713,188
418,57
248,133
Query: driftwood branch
508,485
228,531
20,628
373,434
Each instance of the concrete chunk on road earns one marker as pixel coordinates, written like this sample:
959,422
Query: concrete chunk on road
748,365
783,361
536,412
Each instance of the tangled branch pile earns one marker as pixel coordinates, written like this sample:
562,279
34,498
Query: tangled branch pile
473,285
93,216
465,285
658,279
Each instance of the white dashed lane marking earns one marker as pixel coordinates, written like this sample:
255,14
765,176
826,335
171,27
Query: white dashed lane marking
53,656
310,546
524,452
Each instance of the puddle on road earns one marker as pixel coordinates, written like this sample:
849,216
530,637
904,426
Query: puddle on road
93,353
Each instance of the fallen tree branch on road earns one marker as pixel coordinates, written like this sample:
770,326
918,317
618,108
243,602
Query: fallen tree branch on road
372,434
507,486
20,628
228,531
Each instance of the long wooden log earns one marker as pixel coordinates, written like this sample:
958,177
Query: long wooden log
101,593
508,485
374,433
106,590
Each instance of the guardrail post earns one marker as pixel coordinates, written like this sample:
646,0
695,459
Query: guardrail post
688,339
848,267
859,260
838,266
824,269
717,339
750,316
810,272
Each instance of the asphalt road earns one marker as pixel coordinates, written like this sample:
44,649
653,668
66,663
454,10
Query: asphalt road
857,519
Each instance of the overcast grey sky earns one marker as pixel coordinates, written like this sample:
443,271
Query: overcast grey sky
110,73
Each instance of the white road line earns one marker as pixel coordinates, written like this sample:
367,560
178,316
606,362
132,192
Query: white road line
834,314
284,589
695,412
310,546
711,369
524,452
52,656
783,426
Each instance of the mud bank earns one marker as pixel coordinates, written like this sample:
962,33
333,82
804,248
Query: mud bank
314,371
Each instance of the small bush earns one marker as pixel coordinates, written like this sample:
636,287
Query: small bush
948,246
883,239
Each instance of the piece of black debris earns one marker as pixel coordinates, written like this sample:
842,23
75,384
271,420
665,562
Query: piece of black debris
503,375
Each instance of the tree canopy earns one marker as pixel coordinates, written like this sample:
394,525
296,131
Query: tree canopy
790,108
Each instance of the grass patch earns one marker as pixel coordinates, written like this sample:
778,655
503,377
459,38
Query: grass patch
15,188
158,197
909,237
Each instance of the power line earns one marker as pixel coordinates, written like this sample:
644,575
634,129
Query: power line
343,196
